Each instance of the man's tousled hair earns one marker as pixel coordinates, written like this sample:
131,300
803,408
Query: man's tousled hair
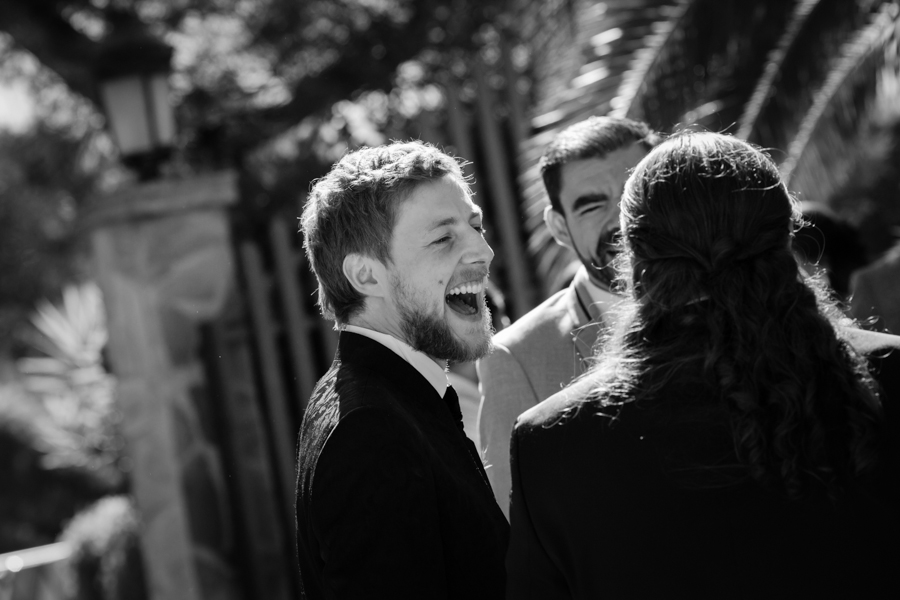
595,137
353,209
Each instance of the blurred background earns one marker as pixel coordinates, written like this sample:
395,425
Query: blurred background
158,331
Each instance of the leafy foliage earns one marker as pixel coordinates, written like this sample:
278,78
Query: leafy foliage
106,558
702,65
40,491
850,97
43,182
70,380
59,427
276,89
247,70
772,71
272,86
847,144
797,66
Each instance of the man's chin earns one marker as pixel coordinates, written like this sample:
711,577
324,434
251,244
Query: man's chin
477,348
605,276
450,336
475,335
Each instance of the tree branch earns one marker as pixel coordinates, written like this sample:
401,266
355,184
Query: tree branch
38,27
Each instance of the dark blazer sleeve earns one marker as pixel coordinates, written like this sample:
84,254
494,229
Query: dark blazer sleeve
374,511
530,573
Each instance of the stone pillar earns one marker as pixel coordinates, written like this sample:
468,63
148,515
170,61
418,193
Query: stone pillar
163,259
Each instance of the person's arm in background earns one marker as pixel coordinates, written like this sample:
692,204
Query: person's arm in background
506,392
529,571
374,512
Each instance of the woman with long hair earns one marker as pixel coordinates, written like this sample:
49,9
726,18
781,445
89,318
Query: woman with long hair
730,441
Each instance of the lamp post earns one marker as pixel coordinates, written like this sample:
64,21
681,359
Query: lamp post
132,72
163,259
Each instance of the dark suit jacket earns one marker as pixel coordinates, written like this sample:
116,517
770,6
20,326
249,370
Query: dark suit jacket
613,503
392,498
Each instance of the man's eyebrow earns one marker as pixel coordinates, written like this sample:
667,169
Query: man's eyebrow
587,199
475,214
441,223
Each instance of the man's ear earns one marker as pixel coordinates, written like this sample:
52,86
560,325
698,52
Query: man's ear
556,223
367,275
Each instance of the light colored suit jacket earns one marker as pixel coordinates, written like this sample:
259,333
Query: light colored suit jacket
533,358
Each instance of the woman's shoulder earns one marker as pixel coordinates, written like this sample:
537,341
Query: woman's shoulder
565,407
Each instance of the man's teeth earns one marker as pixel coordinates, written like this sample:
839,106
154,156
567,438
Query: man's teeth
474,287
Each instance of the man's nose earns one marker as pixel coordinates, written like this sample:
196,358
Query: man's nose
480,251
616,211
611,221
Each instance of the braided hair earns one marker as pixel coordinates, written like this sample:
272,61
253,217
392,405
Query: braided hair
711,281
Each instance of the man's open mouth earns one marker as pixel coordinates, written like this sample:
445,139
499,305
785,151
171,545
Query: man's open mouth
465,298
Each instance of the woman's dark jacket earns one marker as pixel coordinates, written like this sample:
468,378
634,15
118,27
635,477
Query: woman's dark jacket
648,500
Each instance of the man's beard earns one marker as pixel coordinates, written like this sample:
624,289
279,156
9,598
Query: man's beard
432,335
603,259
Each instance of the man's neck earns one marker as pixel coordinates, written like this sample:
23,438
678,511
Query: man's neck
381,326
595,299
434,371
376,322
597,290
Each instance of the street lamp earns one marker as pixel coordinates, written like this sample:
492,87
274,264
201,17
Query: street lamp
132,72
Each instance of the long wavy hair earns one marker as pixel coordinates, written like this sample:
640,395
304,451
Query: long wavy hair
712,289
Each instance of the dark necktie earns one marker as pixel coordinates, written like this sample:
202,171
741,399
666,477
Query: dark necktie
452,401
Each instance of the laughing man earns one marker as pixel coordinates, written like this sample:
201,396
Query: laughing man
392,498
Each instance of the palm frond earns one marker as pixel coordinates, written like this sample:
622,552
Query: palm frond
739,43
660,47
75,331
797,66
698,68
834,138
70,382
765,87
578,76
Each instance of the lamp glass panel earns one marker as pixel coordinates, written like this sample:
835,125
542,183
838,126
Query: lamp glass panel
162,110
124,101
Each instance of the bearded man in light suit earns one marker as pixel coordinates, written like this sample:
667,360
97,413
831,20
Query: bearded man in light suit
584,171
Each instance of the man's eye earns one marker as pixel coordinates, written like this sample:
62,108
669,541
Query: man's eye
442,239
591,208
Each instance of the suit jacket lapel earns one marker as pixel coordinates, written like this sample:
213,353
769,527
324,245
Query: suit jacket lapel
367,353
415,389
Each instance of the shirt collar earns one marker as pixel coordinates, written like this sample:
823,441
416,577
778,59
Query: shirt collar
598,295
598,298
420,361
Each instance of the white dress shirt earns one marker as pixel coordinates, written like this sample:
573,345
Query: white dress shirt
420,361
599,296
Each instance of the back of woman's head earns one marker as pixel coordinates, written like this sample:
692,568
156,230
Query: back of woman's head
715,291
696,209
